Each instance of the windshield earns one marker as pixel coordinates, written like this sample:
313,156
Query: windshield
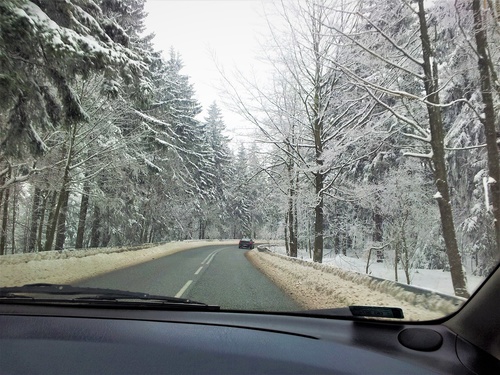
287,156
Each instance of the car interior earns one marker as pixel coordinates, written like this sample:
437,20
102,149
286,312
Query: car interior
53,339
151,225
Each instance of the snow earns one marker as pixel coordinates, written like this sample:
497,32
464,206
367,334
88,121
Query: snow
69,266
433,280
338,282
417,155
39,141
479,175
491,180
318,286
152,165
437,195
151,119
486,194
71,40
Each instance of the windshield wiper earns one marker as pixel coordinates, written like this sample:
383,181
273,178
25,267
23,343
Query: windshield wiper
49,293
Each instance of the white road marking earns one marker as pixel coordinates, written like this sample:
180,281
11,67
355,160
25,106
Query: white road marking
209,260
199,269
183,289
209,255
213,256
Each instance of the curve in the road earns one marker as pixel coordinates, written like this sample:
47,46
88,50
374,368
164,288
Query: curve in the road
219,275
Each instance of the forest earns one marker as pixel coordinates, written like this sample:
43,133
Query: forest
376,132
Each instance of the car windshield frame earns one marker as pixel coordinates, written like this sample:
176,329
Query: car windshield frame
352,168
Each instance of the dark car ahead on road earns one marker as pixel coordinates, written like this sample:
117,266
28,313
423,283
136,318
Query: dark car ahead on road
246,243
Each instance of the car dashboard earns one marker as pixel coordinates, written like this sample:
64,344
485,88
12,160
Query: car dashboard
86,340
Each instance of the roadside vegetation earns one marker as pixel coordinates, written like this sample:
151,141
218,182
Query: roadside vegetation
375,134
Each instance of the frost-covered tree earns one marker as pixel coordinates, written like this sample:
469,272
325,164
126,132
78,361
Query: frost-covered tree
410,217
487,56
216,174
401,65
44,47
310,113
239,201
94,104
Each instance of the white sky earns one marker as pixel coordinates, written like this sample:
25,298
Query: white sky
198,29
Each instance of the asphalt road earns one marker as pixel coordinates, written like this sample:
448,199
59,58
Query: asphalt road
219,275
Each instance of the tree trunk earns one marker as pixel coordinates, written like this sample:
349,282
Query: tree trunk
296,216
95,232
200,230
82,216
287,238
13,227
47,197
489,116
53,220
319,178
292,235
62,201
309,244
5,217
437,144
61,222
378,227
318,111
35,218
50,222
405,256
291,219
336,242
396,261
203,226
145,228
318,224
106,233
368,261
348,244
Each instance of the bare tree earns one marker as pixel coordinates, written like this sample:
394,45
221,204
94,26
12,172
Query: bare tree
487,76
398,56
322,115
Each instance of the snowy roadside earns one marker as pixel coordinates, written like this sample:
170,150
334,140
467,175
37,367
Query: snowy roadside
314,286
68,266
319,286
434,280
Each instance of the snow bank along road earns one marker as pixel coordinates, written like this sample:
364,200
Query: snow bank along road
68,266
214,272
318,286
217,274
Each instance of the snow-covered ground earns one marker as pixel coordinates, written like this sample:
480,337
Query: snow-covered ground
68,266
340,281
322,286
435,280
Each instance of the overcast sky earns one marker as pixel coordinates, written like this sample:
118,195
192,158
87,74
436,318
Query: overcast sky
198,29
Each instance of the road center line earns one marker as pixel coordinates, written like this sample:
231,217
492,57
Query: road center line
199,269
183,289
212,256
210,259
208,256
